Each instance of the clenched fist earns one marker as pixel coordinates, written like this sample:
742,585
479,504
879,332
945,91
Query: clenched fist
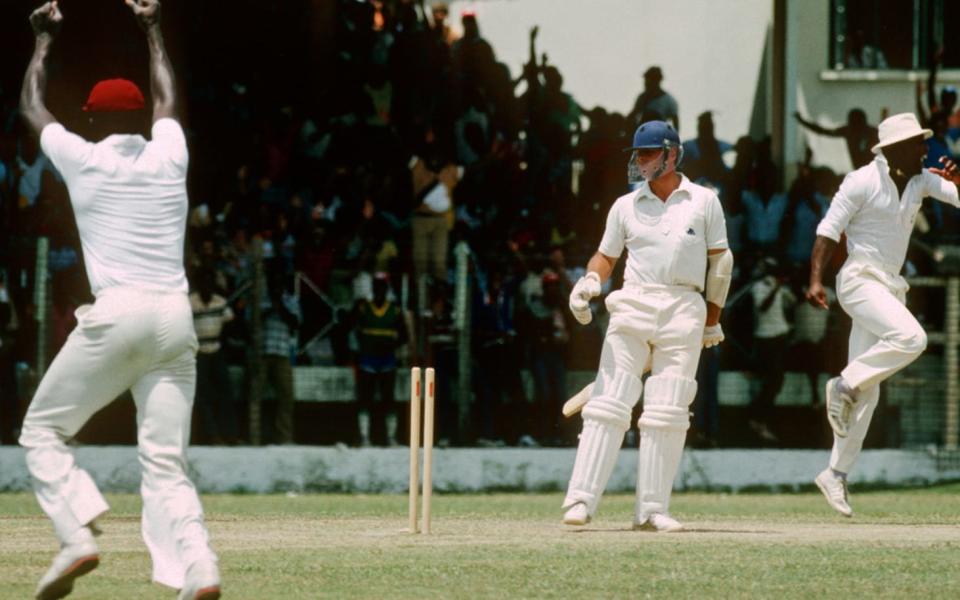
147,12
46,20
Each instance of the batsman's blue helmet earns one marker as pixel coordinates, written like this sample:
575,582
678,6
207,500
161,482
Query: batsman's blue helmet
655,134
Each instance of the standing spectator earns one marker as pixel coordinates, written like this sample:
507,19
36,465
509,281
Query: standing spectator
281,319
654,102
34,175
547,359
857,132
472,56
772,302
495,348
706,404
214,396
432,186
876,206
381,330
948,95
807,343
440,11
441,353
805,207
9,399
861,55
703,155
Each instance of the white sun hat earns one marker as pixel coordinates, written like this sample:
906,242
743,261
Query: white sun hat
898,128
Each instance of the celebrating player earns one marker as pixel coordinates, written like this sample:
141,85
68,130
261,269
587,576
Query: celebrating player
130,200
672,229
876,207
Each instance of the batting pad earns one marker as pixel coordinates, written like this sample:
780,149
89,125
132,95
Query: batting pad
606,418
663,430
614,396
596,457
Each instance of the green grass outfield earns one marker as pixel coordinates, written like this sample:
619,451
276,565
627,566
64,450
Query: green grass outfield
900,544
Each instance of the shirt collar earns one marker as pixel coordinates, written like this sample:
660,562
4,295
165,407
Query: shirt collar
884,166
686,187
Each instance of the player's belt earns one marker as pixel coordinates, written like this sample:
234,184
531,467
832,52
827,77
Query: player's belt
658,287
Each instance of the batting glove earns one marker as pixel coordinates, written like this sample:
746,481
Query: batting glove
586,288
712,335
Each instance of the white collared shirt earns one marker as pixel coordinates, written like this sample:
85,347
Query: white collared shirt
666,242
129,197
877,220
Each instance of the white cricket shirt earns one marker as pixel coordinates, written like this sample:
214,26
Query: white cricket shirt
877,221
130,201
666,242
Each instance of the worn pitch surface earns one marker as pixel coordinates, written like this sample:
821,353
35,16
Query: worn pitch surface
899,544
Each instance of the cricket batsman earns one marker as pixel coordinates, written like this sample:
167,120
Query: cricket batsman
674,233
876,207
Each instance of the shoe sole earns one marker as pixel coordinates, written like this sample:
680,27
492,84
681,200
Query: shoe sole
63,585
209,593
576,522
826,495
837,429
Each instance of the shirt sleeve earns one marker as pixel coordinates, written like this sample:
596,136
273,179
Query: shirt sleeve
846,202
940,188
716,225
613,239
170,143
67,151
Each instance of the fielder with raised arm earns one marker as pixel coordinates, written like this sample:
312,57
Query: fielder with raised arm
130,200
876,207
674,233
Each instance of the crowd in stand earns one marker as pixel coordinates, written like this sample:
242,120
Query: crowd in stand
421,139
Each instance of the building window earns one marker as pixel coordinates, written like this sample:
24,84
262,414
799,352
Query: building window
892,34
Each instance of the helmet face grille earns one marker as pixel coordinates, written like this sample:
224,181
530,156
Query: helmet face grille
636,174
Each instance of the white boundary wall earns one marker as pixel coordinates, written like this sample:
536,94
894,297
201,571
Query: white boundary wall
341,469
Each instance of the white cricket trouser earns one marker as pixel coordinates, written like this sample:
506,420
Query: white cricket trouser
885,338
655,324
142,341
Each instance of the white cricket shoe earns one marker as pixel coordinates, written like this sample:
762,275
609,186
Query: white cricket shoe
839,407
658,522
835,491
202,581
576,515
76,558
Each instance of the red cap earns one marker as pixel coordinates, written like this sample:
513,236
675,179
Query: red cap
114,95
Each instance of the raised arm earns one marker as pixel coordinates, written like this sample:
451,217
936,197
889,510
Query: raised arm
45,22
162,86
932,99
814,127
